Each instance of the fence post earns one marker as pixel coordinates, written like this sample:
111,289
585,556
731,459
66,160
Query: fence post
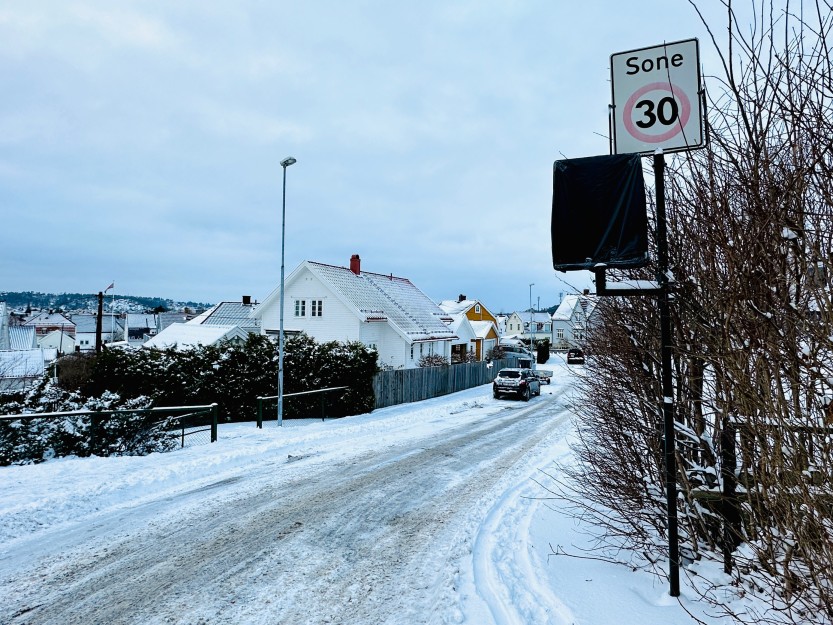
214,422
260,412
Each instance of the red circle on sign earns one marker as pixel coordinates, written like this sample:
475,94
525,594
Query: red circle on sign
676,92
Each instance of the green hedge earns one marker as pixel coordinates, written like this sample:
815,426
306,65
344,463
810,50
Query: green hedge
233,376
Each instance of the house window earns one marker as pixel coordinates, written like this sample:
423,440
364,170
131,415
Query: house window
317,308
559,333
412,351
477,308
300,308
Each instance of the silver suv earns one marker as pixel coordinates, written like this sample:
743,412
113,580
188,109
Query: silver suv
521,383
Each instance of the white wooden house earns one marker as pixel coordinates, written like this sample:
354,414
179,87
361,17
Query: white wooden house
483,322
385,312
571,319
525,325
465,345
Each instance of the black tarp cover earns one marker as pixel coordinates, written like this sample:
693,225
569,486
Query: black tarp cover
599,213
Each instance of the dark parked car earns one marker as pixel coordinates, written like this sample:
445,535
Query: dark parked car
575,356
521,383
544,375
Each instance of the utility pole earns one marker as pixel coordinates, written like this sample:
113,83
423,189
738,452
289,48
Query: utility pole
98,322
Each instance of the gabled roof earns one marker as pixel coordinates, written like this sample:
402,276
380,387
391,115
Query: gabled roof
50,319
462,327
455,307
165,319
86,323
482,328
379,297
141,320
539,317
188,335
230,313
568,305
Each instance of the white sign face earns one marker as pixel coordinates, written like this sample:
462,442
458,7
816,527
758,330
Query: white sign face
656,98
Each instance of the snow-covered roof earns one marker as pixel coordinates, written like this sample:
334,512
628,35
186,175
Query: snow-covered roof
187,335
165,319
454,307
22,337
462,327
538,317
85,323
141,320
375,296
49,319
482,328
230,313
568,305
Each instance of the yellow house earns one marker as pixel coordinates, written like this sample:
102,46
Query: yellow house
482,321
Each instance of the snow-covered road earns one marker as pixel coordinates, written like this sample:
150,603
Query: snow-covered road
365,520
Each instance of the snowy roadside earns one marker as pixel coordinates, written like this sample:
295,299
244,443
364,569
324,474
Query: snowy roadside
501,571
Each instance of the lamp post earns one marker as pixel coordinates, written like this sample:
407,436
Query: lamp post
284,163
531,336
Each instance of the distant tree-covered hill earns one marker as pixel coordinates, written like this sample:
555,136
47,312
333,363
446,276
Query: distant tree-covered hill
89,301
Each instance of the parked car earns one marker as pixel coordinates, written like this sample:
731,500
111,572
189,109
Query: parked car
522,383
518,350
575,356
543,375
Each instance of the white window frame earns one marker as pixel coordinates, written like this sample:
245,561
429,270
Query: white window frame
300,308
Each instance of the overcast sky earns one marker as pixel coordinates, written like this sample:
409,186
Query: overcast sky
140,142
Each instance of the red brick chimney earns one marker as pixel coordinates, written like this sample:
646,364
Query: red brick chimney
356,264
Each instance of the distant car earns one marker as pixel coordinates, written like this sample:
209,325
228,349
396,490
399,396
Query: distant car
522,383
543,375
518,350
575,356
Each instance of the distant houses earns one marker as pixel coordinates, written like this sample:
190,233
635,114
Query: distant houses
387,313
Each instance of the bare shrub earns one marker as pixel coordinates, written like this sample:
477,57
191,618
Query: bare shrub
751,246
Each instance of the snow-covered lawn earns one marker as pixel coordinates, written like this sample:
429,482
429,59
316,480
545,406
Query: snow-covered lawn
69,518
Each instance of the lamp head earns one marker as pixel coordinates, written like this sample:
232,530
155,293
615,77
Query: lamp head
287,162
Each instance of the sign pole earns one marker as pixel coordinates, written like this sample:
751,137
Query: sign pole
667,381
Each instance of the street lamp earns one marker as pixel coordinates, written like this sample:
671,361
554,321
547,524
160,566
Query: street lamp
531,336
284,163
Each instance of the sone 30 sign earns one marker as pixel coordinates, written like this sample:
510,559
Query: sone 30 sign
657,98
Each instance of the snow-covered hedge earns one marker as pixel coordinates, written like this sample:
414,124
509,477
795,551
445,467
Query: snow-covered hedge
233,376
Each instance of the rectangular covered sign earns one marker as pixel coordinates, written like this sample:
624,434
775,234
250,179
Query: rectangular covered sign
599,213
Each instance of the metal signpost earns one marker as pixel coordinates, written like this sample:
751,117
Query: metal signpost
657,107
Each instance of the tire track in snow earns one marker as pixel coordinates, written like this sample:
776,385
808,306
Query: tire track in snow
504,568
356,541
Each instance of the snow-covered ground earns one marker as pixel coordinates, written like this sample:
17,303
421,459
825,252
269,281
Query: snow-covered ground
467,531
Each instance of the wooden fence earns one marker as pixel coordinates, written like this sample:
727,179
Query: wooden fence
403,386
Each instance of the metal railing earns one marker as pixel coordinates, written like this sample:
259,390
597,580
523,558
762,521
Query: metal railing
321,391
190,420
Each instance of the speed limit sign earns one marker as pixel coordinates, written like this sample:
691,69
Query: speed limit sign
657,98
